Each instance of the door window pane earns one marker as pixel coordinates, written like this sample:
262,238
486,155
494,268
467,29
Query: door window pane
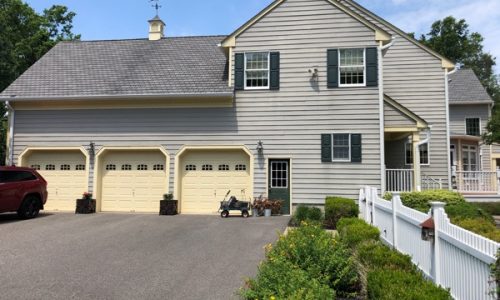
279,174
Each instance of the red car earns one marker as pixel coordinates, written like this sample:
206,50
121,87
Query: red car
22,190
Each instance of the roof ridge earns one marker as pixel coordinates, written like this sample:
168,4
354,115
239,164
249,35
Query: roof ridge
144,39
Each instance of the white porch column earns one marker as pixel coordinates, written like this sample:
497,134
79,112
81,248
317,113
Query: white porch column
417,178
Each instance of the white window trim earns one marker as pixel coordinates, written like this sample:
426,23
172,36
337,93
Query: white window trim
428,154
477,152
364,69
287,175
268,72
344,160
480,125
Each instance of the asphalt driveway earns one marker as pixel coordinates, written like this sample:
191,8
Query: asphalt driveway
117,256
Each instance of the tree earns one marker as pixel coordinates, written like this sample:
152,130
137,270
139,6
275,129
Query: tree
452,39
25,37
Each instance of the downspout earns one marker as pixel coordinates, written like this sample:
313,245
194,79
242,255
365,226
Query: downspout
447,96
381,48
10,147
416,153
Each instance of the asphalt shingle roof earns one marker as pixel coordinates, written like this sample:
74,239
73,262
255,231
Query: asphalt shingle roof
170,66
465,87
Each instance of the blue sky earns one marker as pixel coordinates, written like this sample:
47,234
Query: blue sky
117,19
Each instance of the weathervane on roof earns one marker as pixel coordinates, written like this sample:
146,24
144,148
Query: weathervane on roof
156,5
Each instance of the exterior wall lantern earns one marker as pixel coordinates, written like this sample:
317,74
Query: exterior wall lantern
260,147
92,148
428,230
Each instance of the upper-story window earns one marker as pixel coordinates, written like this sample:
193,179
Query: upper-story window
473,126
352,67
257,70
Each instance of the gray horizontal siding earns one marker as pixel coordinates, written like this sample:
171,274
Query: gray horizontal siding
394,118
458,114
415,79
302,31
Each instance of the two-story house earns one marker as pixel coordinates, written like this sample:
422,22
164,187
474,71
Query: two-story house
473,163
309,98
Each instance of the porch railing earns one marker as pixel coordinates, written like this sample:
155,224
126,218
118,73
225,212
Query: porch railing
399,180
476,181
429,183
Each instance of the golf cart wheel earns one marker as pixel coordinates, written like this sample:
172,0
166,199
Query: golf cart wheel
224,214
244,214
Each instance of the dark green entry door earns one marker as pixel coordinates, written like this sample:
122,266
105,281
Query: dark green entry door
279,182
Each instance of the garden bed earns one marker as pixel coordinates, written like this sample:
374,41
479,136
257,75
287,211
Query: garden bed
310,263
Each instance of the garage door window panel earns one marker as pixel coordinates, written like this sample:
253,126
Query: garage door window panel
50,167
126,167
35,167
80,167
110,167
158,167
207,168
142,167
241,167
223,167
65,167
190,168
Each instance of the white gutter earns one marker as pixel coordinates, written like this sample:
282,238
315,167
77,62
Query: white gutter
381,111
10,147
447,96
118,97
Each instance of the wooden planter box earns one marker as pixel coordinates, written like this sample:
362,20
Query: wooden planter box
168,207
85,206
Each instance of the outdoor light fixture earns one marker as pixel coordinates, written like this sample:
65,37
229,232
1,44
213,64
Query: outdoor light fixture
260,147
92,148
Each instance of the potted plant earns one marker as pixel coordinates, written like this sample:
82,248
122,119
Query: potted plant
268,206
276,207
257,207
85,205
168,206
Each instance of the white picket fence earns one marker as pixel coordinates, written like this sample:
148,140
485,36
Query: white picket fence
455,258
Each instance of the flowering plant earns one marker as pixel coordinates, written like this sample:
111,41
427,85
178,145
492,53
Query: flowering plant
87,196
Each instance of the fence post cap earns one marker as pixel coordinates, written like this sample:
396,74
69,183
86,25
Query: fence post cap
437,204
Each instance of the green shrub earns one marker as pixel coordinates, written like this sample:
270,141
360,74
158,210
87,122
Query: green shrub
307,213
480,226
421,200
374,255
353,231
321,256
283,280
396,284
493,208
466,210
337,208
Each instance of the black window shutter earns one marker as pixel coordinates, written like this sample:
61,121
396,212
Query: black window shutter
355,147
239,71
326,148
275,71
371,67
333,68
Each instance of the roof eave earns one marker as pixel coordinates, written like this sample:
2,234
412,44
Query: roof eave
224,95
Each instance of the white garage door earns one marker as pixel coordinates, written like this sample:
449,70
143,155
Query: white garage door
133,181
66,175
208,175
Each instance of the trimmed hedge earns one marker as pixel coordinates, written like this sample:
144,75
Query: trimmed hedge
281,279
399,284
337,208
421,200
466,210
374,255
353,231
493,208
307,213
317,252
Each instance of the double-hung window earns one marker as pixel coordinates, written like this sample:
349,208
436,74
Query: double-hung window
257,70
424,154
341,147
469,158
352,67
473,126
